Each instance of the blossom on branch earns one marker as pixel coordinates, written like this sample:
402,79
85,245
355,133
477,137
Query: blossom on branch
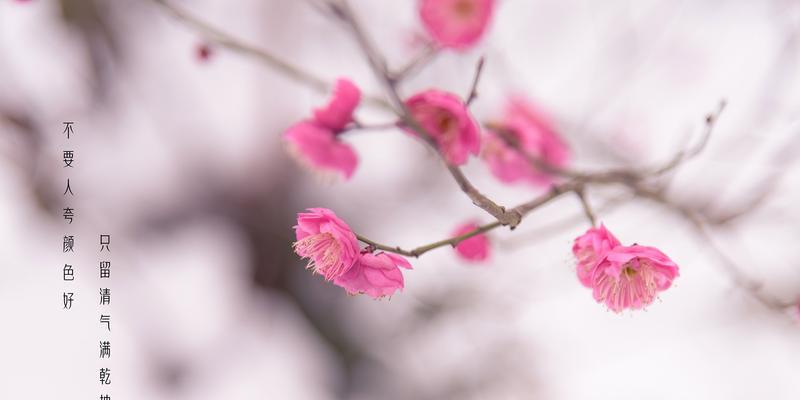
524,129
326,241
447,120
589,249
339,111
315,141
376,275
475,248
621,276
456,24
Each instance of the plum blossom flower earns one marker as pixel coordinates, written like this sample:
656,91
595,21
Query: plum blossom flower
319,149
589,249
475,248
203,52
376,275
339,111
632,276
326,241
315,142
533,133
456,24
621,276
446,119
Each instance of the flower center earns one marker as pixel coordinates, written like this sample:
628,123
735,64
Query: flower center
324,254
445,122
634,288
464,8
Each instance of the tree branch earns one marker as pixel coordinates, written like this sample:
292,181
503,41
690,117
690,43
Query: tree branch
587,209
225,40
418,251
379,68
427,55
473,92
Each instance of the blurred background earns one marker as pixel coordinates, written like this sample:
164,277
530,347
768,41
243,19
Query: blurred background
178,156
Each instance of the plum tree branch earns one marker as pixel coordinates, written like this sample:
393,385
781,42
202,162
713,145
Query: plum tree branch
223,39
343,11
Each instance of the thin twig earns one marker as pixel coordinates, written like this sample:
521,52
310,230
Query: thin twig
418,251
522,209
376,61
427,55
225,40
473,92
686,154
587,209
737,273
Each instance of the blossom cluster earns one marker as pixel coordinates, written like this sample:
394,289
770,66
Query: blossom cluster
621,277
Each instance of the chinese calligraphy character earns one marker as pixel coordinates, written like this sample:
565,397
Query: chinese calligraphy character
105,296
68,300
68,128
69,213
105,269
105,376
106,319
105,349
69,244
105,397
69,157
68,189
69,273
105,240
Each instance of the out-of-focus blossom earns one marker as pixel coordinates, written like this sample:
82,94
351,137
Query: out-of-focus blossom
589,249
339,111
326,241
446,119
632,276
456,24
319,149
376,275
203,52
529,130
475,248
315,142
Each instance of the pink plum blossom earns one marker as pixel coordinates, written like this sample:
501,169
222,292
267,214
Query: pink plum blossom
376,275
632,276
315,142
589,249
475,248
456,24
533,133
446,119
326,241
339,111
319,149
203,52
621,276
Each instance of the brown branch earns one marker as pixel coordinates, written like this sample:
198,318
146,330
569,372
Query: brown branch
687,154
736,272
521,210
418,251
378,64
427,55
473,92
225,40
587,209
562,224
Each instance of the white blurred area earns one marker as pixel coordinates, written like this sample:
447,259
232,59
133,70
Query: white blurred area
181,162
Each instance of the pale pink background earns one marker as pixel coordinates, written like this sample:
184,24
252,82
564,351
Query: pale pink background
166,147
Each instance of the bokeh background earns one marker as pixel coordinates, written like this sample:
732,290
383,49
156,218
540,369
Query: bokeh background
180,159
